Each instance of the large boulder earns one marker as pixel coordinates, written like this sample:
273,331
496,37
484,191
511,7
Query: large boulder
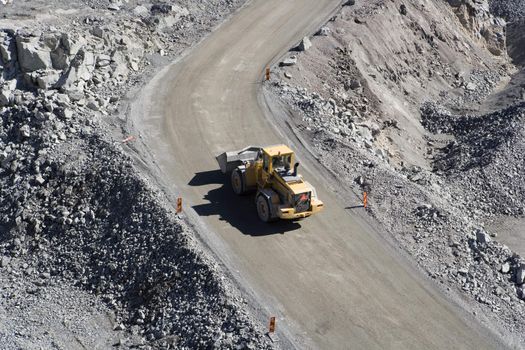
32,55
305,44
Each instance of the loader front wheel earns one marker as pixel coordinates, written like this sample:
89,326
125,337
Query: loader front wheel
263,209
237,182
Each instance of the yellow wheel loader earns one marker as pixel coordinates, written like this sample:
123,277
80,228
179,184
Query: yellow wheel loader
281,191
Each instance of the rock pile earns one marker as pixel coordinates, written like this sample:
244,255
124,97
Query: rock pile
74,211
485,156
511,10
73,208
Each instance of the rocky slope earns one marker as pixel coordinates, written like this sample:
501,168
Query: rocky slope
77,220
437,173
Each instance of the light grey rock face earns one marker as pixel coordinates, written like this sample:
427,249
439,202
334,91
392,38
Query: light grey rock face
305,44
31,55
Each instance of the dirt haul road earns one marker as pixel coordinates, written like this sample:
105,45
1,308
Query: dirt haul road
333,283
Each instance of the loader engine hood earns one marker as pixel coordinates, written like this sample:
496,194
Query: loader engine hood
300,187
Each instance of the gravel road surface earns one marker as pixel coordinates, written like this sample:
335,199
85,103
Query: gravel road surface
330,279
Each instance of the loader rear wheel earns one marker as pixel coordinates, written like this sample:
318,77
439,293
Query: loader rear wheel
263,209
237,182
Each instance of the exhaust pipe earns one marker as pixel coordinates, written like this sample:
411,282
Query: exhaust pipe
295,169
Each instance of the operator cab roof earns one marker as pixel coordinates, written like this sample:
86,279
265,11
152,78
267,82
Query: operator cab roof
277,149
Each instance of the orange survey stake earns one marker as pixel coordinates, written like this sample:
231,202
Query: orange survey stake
272,324
179,205
365,199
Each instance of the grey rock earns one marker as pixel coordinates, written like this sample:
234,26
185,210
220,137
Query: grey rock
6,92
289,61
471,86
25,131
4,261
520,274
324,31
98,32
92,104
5,47
72,43
31,55
505,267
39,179
482,237
59,58
305,44
103,61
355,84
140,11
48,79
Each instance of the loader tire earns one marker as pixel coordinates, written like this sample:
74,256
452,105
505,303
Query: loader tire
264,209
237,182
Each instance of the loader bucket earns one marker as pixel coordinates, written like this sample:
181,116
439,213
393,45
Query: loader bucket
228,161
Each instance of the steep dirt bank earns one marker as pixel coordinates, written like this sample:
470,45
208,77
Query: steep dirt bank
358,94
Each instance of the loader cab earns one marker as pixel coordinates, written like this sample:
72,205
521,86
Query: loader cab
277,159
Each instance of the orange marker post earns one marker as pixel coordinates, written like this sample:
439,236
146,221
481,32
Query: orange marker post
267,73
365,199
179,205
272,325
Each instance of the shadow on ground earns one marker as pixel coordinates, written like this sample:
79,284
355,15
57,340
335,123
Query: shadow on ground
238,211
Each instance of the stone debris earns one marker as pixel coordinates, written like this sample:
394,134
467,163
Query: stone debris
76,217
